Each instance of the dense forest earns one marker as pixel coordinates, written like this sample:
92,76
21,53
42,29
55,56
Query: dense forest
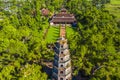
94,45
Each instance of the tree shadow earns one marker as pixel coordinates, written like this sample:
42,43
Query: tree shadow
47,69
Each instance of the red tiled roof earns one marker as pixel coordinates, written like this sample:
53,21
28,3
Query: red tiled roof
63,20
63,17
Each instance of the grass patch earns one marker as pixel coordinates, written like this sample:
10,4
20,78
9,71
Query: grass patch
114,9
69,31
53,34
115,2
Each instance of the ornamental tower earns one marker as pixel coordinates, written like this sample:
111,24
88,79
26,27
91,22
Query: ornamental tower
62,61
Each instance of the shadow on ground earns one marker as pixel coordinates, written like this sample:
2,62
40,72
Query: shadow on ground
47,68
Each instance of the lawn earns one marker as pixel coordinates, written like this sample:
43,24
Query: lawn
53,34
114,8
115,2
69,31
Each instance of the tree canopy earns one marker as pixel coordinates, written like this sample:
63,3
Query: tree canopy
94,47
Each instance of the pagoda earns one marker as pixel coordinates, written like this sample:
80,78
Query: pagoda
62,61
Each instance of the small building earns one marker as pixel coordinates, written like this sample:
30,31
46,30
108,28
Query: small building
45,12
62,18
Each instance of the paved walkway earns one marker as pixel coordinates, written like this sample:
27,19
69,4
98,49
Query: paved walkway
62,31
